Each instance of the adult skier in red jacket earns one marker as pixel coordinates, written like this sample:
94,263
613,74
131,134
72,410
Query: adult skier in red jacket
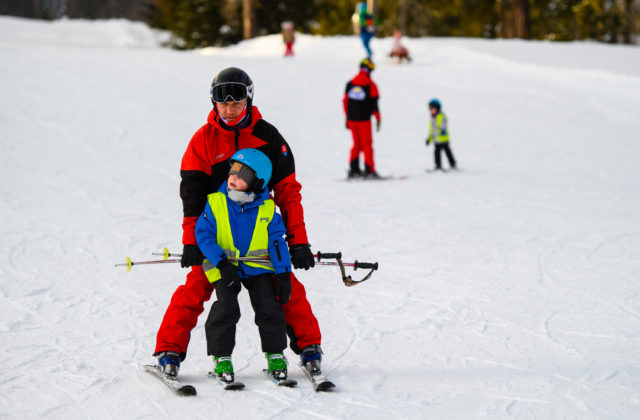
233,124
360,101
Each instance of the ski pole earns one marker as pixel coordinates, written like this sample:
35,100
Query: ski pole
165,254
347,280
130,263
320,255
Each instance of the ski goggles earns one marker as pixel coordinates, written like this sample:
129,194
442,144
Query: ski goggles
222,92
243,172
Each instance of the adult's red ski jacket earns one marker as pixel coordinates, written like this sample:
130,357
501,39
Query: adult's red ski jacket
360,99
205,165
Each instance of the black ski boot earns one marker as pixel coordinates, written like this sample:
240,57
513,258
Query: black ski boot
354,169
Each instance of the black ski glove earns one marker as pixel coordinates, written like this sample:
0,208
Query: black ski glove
191,255
283,287
301,256
228,273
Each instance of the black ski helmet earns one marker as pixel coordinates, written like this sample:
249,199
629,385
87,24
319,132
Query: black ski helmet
233,83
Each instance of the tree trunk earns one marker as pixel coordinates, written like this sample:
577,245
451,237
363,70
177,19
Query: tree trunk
521,18
403,16
628,21
248,18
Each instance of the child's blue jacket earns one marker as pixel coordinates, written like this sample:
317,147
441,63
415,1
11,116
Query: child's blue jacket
243,220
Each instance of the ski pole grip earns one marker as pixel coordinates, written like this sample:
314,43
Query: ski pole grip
373,266
329,255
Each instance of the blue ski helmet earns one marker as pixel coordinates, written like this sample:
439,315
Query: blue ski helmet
434,103
253,166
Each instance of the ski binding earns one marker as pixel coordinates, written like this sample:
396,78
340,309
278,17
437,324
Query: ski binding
288,383
226,384
172,383
319,382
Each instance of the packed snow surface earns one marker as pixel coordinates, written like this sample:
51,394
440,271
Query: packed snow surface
508,289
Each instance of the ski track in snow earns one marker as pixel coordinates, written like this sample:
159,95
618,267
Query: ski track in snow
507,289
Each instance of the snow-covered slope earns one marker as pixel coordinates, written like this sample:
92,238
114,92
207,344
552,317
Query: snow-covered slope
508,289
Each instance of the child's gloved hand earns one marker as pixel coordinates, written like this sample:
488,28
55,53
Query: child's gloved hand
283,287
228,273
428,142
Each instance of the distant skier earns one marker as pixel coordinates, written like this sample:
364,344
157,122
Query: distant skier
240,220
399,51
439,134
368,24
288,37
360,101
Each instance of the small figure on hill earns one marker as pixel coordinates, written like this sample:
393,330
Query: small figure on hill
288,37
368,24
439,134
399,52
360,102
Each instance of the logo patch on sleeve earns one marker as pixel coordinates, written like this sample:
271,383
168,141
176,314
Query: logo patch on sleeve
284,150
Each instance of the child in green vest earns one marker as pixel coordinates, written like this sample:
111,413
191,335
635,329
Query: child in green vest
240,221
439,134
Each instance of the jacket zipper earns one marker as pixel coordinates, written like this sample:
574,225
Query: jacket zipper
278,250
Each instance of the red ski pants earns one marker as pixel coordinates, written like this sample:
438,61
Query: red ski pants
289,48
362,142
187,303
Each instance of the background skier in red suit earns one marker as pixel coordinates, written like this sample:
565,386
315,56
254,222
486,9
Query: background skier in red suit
360,102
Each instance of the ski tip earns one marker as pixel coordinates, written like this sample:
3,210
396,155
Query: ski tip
288,383
236,386
186,391
325,386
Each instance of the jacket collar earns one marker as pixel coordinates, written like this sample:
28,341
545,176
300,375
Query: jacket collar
214,120
260,198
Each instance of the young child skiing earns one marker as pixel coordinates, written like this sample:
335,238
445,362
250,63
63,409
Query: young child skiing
240,221
439,134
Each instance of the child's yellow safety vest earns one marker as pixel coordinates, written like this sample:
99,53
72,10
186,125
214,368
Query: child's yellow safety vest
259,245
